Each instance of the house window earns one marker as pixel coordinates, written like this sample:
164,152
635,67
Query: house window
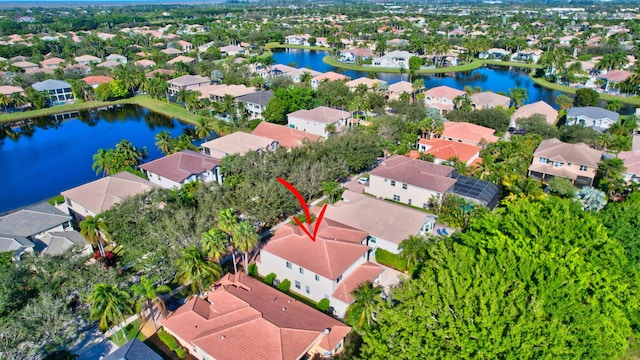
543,160
339,279
424,205
288,265
307,289
301,271
409,201
317,277
385,180
583,168
393,183
297,284
404,186
396,198
557,164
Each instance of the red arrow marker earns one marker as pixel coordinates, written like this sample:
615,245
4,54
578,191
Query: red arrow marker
305,208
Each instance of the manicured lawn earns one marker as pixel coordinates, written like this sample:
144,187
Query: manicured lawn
391,260
132,331
571,90
512,63
274,45
167,109
56,200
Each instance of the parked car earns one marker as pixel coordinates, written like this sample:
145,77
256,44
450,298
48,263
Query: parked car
363,180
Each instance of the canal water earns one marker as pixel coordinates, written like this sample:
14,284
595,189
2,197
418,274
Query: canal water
48,155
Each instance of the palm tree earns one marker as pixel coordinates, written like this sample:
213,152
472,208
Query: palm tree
564,102
463,103
109,304
203,127
131,155
149,298
163,141
214,244
605,141
195,270
519,96
245,239
412,248
330,128
332,190
614,105
4,102
227,220
306,77
366,301
93,228
417,85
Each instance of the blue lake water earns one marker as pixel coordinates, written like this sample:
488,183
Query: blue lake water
58,155
496,79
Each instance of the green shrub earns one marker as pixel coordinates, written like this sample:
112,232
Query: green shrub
285,285
181,353
269,278
253,270
323,305
168,340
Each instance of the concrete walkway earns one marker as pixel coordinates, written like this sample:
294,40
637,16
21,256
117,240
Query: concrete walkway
94,345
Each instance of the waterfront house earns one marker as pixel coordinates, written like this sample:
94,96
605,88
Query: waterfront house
494,54
488,100
243,318
232,50
394,59
51,63
87,60
58,92
549,114
41,227
527,55
442,98
328,268
26,66
614,77
447,150
593,117
285,136
397,89
255,103
328,76
8,90
316,121
217,92
187,82
175,170
101,195
350,55
386,223
576,162
238,143
371,84
95,81
465,132
297,39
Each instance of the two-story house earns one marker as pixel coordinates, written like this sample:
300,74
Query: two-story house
58,92
394,59
237,143
328,76
593,117
187,82
445,150
316,121
284,135
255,103
488,100
468,133
87,60
537,108
371,84
243,318
329,267
576,162
442,98
175,170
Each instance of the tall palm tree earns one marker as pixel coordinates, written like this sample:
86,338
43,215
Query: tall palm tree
245,239
5,101
306,77
94,230
149,298
109,304
163,141
227,220
412,249
131,155
203,127
195,270
214,244
366,301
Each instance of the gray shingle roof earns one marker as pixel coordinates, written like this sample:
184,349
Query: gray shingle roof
133,350
51,85
32,220
592,112
258,97
13,243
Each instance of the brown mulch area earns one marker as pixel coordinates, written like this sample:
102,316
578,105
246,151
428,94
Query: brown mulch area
159,347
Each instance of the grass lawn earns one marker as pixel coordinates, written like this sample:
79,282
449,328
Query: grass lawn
275,45
56,200
132,331
512,63
167,109
391,260
571,90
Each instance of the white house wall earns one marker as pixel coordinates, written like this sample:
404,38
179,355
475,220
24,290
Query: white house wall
383,189
313,127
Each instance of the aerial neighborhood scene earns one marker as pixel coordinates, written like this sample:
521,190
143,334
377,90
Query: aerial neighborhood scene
325,179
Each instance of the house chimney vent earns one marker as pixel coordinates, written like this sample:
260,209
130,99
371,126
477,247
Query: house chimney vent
326,331
284,308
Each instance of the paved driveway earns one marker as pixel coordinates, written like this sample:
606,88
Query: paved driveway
94,346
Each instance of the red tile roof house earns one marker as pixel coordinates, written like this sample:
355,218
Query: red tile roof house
410,181
95,81
576,162
329,267
468,133
51,63
172,171
442,98
395,90
632,163
315,121
243,318
328,76
488,100
371,84
284,135
26,66
386,223
542,108
445,150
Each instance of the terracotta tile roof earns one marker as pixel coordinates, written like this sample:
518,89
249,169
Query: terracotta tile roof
182,59
236,143
102,194
469,132
51,61
321,114
616,75
171,51
330,76
444,92
220,90
580,153
25,64
87,58
284,135
150,74
9,89
488,98
365,272
279,326
94,80
446,149
336,248
631,161
179,166
145,63
189,80
539,107
400,87
370,83
416,172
